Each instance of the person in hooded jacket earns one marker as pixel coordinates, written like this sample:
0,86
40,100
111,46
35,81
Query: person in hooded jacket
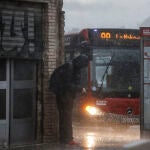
65,82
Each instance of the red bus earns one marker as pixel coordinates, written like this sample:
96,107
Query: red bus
112,79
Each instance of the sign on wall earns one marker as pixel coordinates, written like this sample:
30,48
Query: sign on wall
20,30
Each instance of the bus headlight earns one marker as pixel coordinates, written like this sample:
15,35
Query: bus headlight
92,110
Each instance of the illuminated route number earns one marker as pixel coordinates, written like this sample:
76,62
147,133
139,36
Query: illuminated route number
105,35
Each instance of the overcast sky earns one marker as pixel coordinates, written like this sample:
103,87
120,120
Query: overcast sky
81,14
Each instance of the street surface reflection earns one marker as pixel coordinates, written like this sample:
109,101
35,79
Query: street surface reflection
91,136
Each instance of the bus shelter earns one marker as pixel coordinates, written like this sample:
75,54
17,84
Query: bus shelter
145,79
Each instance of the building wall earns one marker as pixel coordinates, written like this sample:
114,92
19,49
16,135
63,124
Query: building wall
53,36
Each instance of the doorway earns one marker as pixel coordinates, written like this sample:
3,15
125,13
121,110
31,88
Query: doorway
17,101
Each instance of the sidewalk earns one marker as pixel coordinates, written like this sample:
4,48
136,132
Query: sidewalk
91,137
59,147
136,145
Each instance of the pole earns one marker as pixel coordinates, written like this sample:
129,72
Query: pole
89,94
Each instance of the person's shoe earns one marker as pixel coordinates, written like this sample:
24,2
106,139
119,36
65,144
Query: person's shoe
72,143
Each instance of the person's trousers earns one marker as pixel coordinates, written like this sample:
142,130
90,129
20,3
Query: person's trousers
65,107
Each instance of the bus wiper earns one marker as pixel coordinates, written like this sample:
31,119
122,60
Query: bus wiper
105,73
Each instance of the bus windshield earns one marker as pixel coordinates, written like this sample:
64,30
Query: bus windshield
116,72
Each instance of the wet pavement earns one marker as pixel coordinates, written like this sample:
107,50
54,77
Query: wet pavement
97,135
62,147
94,137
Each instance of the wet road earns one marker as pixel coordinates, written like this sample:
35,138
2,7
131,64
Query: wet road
95,135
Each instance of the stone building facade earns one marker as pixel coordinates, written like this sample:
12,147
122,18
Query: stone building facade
32,31
53,57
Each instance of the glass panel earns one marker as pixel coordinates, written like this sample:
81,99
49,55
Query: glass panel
23,70
2,70
100,73
118,69
22,106
146,88
2,104
146,106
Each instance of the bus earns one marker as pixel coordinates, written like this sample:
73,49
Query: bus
112,78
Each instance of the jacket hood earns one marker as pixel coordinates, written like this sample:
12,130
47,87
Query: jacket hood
80,61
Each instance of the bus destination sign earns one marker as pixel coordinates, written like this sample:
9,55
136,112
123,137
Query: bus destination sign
125,36
120,38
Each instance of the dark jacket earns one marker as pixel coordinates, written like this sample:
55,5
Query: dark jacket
62,79
66,78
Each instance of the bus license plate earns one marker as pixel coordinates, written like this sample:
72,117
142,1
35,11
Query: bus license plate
101,103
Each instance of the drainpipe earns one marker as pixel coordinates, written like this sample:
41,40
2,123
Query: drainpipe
42,103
